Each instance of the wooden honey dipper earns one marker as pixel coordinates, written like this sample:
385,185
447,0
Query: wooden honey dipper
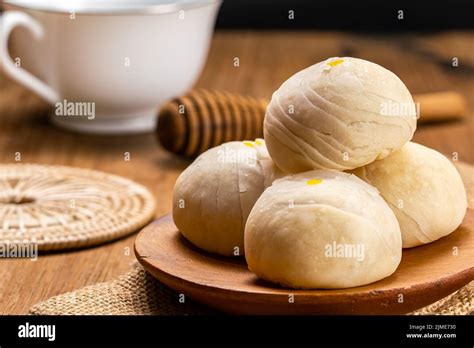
201,119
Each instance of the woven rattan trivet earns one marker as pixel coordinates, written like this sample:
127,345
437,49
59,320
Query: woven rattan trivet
138,293
60,207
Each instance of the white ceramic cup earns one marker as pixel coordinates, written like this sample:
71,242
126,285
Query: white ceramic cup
106,66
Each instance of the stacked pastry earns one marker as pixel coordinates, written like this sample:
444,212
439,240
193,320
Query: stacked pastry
336,189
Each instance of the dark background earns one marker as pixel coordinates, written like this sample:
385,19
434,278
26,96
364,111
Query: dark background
380,15
356,15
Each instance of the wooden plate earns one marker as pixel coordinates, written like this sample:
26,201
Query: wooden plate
425,275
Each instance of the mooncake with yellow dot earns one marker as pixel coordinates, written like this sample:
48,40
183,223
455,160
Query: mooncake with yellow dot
339,114
214,195
293,226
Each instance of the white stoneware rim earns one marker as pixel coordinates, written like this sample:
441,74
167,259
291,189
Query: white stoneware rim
110,7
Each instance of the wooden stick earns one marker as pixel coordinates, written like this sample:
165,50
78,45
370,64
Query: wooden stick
440,106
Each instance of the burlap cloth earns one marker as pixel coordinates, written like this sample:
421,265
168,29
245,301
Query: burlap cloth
138,293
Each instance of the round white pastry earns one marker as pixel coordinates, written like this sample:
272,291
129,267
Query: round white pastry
214,195
339,114
322,229
424,190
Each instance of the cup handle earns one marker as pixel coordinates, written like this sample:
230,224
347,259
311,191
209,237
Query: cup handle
8,21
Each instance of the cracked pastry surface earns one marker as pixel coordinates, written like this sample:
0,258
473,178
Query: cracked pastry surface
214,195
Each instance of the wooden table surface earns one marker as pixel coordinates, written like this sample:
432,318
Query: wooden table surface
266,59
